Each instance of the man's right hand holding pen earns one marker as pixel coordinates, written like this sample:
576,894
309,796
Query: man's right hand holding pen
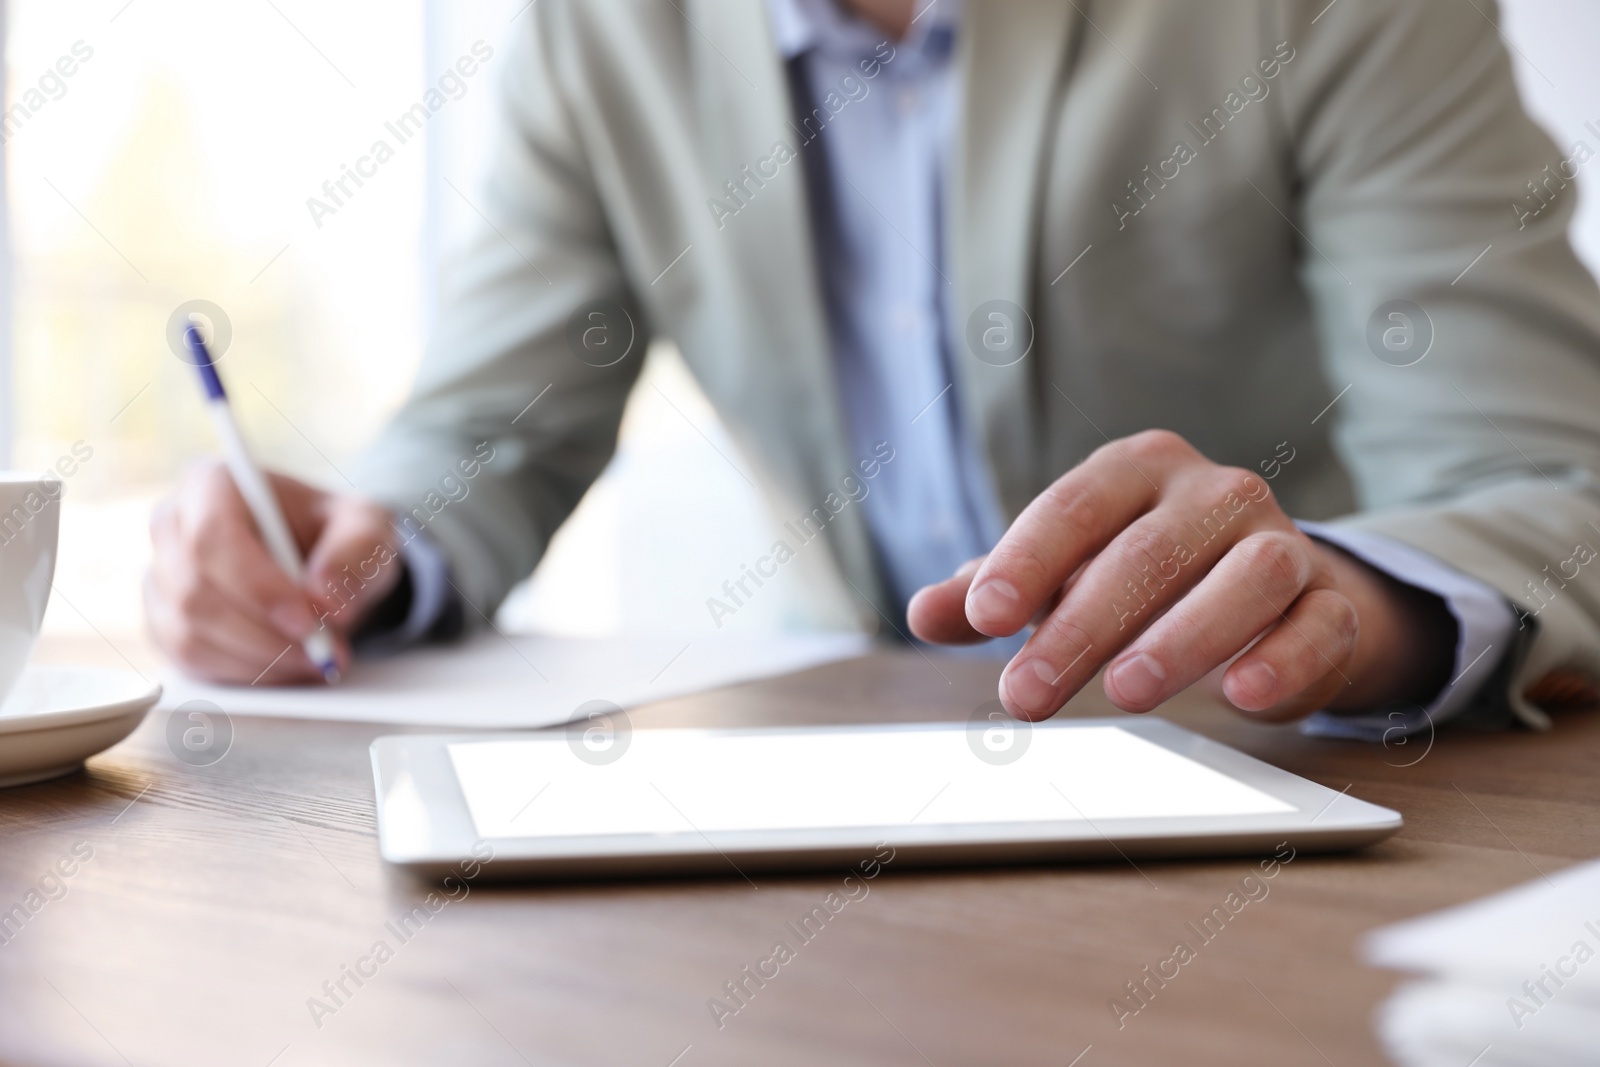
225,611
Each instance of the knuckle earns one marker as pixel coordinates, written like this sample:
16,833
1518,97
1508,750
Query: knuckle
1184,632
1157,444
1063,633
1239,482
1255,488
1342,621
1024,564
1231,479
1276,557
1145,549
1068,503
1236,489
1062,495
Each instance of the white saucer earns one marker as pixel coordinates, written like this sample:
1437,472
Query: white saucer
57,717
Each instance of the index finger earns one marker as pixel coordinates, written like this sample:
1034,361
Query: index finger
1073,519
936,613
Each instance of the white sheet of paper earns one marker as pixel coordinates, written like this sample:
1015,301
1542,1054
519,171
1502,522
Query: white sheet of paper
494,681
1513,979
1509,935
674,781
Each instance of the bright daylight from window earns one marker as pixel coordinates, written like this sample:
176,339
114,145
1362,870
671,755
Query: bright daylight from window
159,172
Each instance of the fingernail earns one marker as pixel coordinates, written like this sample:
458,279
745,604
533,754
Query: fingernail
991,600
292,620
1258,679
1031,686
1138,680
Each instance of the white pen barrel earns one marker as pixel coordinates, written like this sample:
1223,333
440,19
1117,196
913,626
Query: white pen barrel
258,495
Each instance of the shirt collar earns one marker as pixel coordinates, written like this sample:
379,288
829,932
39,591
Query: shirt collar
799,26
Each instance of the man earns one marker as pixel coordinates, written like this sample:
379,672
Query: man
1120,287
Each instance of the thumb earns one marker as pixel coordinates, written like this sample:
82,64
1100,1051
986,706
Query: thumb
354,563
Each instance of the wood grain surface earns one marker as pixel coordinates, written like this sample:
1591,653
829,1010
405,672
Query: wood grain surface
216,901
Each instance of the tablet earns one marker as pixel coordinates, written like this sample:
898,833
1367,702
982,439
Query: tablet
589,801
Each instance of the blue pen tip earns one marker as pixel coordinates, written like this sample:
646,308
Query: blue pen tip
203,362
330,672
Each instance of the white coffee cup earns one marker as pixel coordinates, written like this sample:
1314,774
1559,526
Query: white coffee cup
30,527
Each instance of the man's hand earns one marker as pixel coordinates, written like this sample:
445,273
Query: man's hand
220,606
1152,559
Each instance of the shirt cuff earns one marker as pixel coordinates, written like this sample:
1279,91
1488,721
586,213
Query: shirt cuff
430,589
419,609
1484,627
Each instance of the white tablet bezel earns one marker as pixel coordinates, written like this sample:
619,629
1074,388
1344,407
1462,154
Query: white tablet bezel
424,823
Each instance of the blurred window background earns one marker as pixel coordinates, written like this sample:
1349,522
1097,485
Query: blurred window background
162,151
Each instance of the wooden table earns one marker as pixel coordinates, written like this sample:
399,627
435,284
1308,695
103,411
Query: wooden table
218,900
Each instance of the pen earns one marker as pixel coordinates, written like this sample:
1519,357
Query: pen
258,496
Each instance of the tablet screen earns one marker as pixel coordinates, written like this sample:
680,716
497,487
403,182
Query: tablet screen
690,781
